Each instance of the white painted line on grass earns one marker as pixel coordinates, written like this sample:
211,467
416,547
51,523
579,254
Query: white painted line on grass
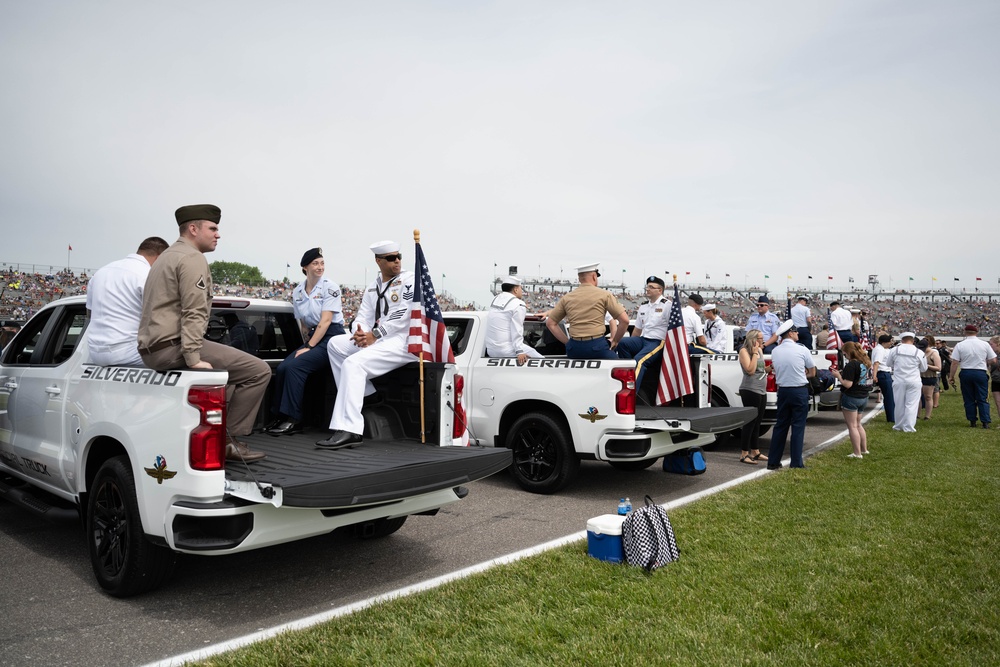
316,619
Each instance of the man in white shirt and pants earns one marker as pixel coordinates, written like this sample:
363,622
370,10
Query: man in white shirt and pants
907,363
505,324
114,299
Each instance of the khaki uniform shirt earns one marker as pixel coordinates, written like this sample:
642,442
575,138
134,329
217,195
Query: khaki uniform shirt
177,300
584,309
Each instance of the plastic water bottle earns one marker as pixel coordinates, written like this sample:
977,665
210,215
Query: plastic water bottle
628,506
623,507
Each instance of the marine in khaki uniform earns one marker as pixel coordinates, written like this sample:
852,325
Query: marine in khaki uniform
176,303
584,309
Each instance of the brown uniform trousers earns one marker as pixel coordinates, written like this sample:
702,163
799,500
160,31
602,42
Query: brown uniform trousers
248,378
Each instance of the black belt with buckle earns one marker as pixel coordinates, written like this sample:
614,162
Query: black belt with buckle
162,345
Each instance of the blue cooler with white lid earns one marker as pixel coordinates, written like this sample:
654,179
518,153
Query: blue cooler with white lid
604,538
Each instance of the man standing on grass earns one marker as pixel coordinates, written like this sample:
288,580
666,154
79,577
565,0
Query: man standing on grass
974,356
793,366
907,363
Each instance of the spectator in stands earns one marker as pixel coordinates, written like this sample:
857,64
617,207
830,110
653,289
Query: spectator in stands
929,378
765,322
856,384
822,337
945,353
974,356
114,299
883,376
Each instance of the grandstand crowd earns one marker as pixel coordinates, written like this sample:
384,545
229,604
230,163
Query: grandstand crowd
936,313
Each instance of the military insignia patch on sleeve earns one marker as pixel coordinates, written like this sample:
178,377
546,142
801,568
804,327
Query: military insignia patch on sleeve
201,283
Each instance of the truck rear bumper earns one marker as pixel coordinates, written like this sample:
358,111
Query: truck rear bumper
234,525
643,444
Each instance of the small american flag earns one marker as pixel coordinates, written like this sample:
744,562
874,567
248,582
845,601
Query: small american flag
428,333
675,372
833,340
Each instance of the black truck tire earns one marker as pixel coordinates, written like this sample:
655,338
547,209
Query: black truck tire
124,561
544,458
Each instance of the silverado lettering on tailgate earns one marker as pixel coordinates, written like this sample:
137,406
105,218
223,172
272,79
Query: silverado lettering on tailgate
131,375
547,363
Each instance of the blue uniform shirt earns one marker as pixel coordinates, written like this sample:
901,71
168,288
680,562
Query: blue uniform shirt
790,361
767,324
325,295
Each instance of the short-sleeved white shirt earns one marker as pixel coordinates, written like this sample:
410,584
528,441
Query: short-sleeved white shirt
790,361
692,324
972,354
114,298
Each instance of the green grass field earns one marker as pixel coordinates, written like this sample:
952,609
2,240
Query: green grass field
890,560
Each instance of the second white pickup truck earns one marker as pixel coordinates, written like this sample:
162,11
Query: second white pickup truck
554,412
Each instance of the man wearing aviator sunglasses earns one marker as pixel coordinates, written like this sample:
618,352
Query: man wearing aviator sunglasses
376,345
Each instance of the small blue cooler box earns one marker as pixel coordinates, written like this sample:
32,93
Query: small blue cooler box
604,538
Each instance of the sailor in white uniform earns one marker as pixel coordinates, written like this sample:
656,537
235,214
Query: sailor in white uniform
907,363
716,331
505,324
377,344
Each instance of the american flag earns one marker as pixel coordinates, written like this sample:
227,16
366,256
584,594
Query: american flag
675,372
833,340
428,333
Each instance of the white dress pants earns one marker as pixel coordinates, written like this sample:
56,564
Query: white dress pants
353,367
907,397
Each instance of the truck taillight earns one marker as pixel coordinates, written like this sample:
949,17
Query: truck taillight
207,448
458,419
625,398
832,358
772,383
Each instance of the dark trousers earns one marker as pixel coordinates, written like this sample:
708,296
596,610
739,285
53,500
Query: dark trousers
646,352
884,381
750,433
793,408
975,385
598,348
847,337
290,378
805,337
248,378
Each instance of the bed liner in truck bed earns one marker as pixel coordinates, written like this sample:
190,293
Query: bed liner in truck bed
376,471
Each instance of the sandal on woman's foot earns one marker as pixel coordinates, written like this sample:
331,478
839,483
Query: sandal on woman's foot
759,457
747,459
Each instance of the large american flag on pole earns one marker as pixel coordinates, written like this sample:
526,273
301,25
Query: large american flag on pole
428,333
675,371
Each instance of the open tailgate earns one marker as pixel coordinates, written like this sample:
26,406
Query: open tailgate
695,420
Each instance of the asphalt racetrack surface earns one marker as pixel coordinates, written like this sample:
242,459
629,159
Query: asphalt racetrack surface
54,613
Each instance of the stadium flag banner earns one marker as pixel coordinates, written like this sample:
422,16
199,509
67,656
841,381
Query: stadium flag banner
675,370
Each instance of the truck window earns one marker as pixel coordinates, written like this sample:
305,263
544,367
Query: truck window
266,335
458,335
23,346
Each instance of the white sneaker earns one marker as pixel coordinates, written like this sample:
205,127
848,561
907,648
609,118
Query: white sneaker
852,455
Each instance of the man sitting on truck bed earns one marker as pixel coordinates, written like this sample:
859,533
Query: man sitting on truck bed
505,324
376,346
176,304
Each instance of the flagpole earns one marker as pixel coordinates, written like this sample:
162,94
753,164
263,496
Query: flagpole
423,435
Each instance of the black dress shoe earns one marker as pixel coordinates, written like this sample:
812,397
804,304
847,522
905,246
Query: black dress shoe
338,440
286,428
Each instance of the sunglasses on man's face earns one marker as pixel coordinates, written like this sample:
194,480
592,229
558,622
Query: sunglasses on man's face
392,258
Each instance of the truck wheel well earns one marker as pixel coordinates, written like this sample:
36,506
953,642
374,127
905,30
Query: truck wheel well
515,410
101,450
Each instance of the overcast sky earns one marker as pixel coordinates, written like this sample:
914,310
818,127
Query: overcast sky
783,138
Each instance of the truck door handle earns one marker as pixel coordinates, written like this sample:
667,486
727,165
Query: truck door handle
10,385
53,391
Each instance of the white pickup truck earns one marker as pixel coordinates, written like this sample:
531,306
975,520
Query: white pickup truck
554,412
138,455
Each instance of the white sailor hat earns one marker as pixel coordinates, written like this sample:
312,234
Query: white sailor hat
384,247
856,311
907,334
787,326
802,297
708,306
510,280
586,268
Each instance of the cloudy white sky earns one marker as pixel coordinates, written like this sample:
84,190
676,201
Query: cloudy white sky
790,137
